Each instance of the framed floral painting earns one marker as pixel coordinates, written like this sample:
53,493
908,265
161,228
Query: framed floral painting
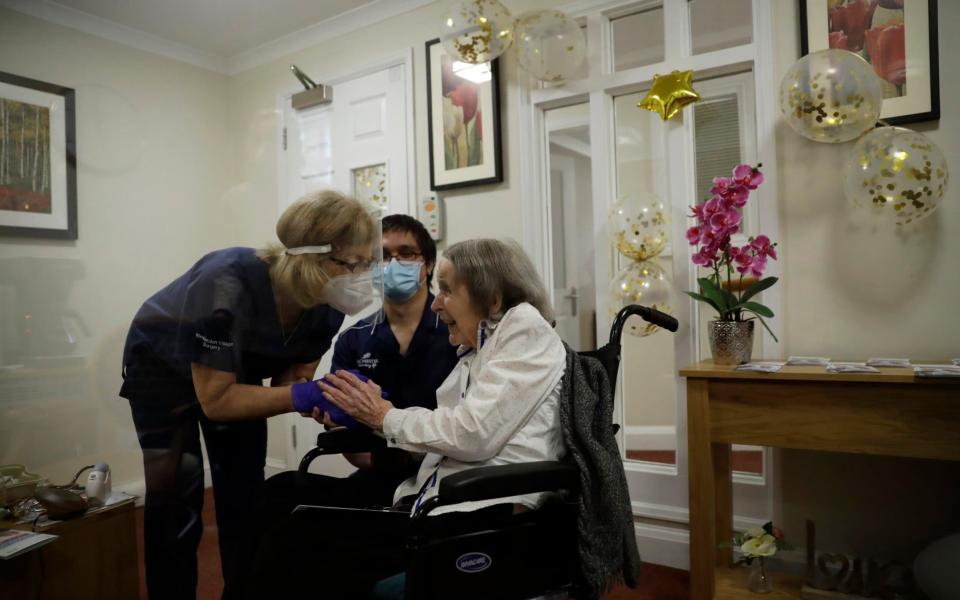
897,37
463,117
38,168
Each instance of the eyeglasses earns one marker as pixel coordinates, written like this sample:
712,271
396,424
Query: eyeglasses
353,267
403,253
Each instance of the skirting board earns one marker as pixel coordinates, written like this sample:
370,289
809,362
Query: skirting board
670,547
666,546
660,437
138,488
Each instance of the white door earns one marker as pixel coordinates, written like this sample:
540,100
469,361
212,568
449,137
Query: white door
360,144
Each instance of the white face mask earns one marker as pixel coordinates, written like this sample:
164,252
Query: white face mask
351,293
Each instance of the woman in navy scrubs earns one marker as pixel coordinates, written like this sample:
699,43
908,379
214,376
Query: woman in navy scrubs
195,360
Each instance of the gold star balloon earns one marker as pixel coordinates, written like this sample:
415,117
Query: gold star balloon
669,94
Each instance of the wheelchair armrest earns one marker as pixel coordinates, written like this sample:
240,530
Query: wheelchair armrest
484,483
338,441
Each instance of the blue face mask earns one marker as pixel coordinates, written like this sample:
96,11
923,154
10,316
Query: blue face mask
401,280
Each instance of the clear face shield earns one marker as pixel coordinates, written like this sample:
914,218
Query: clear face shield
377,212
358,292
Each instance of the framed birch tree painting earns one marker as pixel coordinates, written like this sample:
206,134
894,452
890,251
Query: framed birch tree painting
38,167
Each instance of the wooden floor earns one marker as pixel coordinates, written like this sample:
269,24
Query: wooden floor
656,582
210,579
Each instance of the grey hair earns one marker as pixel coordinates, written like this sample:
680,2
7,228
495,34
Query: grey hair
498,272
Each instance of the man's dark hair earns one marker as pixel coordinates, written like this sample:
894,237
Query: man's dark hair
407,224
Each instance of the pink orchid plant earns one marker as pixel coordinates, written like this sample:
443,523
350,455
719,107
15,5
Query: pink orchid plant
718,219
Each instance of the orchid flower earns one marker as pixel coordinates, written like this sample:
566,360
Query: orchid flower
717,220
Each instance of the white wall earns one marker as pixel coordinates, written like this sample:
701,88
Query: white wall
151,146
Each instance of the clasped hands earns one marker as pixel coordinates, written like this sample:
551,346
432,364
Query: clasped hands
344,398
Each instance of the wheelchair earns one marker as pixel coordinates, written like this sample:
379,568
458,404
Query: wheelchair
531,554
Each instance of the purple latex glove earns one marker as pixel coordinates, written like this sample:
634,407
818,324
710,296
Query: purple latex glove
308,395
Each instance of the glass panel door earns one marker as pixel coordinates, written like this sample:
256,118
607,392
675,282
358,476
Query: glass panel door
571,224
649,385
723,134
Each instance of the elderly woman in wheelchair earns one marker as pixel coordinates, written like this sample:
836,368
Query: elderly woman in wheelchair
501,405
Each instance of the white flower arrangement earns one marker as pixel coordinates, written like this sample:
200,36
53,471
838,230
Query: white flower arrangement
759,542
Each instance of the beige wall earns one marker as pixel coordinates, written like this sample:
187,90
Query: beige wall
486,211
151,139
851,292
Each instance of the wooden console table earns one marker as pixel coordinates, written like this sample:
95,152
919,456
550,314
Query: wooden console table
889,413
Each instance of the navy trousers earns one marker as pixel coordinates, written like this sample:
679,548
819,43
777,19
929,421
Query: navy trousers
169,434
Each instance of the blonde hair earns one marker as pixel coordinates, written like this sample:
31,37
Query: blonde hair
498,272
316,219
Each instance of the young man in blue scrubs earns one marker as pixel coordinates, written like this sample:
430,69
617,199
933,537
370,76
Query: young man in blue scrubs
404,348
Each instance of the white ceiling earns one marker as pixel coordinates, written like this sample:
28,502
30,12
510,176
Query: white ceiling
227,36
219,27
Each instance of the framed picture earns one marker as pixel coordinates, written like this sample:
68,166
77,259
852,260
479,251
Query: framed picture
897,37
463,116
38,167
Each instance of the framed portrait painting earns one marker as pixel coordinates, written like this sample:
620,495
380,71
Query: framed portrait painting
463,117
38,174
897,37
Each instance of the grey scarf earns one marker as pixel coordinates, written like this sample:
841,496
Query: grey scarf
606,541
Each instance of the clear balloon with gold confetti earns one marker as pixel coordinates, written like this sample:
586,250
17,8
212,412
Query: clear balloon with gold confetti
639,224
831,96
550,45
476,31
643,283
897,173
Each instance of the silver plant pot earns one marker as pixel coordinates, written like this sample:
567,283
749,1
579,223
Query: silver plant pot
731,342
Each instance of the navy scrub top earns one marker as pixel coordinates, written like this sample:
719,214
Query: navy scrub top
220,313
410,380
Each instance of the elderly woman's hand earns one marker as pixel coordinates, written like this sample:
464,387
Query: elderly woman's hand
361,400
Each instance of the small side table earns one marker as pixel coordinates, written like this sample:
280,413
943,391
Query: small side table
94,557
890,413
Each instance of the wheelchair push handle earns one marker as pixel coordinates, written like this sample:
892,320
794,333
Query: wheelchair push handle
648,314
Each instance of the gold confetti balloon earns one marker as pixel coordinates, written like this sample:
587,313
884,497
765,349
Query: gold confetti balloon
897,173
643,283
639,225
831,96
476,31
550,45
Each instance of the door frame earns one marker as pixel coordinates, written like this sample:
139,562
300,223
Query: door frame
403,58
599,88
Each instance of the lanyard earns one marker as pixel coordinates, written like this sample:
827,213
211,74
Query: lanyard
429,483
